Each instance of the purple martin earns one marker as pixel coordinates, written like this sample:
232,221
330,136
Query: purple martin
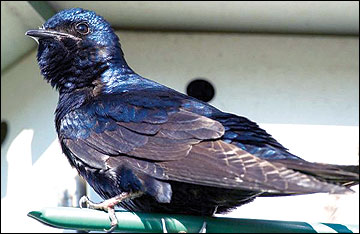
146,147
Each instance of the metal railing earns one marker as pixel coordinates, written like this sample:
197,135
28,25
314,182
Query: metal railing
87,219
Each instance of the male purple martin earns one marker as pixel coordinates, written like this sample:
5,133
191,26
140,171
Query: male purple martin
146,147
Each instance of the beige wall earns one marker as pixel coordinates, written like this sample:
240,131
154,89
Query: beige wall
304,90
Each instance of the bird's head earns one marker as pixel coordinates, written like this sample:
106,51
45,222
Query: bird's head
75,47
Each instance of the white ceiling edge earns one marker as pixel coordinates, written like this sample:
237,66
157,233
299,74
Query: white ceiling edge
319,17
16,18
316,17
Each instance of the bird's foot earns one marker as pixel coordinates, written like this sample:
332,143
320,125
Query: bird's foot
108,205
163,224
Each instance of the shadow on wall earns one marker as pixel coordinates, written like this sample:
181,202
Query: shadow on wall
27,103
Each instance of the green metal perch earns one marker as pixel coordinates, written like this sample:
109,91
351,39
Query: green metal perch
87,219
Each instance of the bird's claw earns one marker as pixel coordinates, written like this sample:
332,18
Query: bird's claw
109,208
84,199
113,219
110,229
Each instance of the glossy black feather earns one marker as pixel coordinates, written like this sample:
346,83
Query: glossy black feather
125,133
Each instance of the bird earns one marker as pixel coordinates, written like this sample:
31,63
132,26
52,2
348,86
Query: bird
146,147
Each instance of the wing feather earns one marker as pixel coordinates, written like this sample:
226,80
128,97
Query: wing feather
220,164
171,143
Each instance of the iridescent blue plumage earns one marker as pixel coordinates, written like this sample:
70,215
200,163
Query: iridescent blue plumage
126,133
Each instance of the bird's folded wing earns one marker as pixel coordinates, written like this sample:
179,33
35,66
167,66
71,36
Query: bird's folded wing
217,163
175,144
157,130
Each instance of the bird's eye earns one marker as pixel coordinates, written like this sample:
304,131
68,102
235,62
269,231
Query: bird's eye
82,28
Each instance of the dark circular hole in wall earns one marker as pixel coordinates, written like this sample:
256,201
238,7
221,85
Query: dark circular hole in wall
201,89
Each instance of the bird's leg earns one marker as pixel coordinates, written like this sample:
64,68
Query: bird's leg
109,204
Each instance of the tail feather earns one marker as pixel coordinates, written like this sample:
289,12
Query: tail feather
345,175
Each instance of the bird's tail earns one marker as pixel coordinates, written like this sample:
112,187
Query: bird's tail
346,175
342,175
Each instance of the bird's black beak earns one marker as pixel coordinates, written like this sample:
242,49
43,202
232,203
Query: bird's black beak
42,33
